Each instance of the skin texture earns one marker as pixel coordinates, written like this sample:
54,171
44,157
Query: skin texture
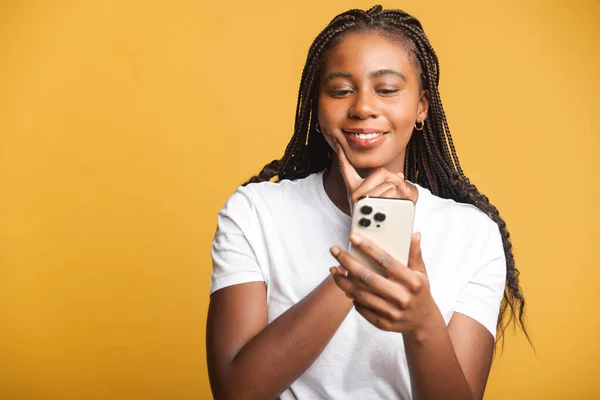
382,94
369,82
249,359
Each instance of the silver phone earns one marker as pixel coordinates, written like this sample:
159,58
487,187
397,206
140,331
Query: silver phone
386,222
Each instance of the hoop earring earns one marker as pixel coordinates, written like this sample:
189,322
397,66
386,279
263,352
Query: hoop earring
420,127
318,128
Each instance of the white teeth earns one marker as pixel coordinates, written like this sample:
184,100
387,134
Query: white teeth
365,136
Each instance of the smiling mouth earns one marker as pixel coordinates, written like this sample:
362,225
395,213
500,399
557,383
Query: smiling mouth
365,136
365,139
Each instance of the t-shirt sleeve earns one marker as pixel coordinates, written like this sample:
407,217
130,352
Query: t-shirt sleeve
481,296
234,248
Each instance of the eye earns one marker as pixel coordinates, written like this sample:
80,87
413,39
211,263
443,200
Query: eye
387,91
340,93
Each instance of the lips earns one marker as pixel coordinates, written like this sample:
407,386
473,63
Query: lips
365,138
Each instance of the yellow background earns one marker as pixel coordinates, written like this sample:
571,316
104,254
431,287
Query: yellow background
125,125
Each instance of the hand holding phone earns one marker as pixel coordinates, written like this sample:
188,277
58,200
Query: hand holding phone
383,209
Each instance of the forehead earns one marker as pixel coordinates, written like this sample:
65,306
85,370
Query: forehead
368,51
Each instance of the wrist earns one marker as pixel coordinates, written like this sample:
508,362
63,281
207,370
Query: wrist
431,327
340,295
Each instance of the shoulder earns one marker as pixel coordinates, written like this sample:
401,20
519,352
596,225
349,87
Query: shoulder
270,190
462,223
256,196
450,211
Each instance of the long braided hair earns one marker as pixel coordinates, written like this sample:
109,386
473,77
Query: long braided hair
431,159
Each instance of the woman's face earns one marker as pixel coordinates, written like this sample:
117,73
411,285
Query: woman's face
369,100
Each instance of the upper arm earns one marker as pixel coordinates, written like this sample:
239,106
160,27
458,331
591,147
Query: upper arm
236,314
238,304
472,328
474,348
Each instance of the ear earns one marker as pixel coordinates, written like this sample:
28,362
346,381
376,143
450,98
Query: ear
423,108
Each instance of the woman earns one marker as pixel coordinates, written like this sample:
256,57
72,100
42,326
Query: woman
369,121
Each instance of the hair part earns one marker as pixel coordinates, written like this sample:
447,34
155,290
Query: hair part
431,160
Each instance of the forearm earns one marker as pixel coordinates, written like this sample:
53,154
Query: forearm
435,372
281,352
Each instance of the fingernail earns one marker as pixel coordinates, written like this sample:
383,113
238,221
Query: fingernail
355,239
335,251
400,174
418,235
332,271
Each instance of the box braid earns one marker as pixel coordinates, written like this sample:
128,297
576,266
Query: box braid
431,160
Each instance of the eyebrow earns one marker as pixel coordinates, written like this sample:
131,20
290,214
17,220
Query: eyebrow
373,74
337,75
387,72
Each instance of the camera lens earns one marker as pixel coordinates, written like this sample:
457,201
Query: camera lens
364,222
366,210
379,217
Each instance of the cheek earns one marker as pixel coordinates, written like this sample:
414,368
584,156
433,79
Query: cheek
402,117
331,112
326,113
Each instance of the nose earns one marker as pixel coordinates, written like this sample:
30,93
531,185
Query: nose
364,106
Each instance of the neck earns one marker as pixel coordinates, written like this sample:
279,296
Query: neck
335,187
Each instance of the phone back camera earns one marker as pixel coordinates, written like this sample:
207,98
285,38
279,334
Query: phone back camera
364,222
379,217
366,210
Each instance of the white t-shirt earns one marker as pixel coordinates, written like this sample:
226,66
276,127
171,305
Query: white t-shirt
280,233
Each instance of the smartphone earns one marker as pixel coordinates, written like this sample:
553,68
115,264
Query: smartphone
386,222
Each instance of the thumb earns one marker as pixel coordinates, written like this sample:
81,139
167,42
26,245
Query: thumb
351,177
415,258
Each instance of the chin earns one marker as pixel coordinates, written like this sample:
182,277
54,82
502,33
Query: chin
365,169
368,162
